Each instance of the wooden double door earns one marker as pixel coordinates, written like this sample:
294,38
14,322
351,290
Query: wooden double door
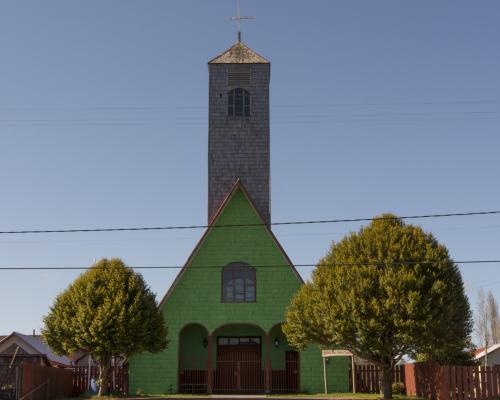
239,369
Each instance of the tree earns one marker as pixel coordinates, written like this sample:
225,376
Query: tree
108,311
494,318
384,292
487,322
482,326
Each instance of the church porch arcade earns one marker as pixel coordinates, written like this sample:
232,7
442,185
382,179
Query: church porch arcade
236,358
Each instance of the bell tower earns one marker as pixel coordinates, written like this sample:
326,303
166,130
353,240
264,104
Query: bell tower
238,127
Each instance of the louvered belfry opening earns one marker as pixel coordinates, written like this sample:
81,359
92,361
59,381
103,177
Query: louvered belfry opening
239,76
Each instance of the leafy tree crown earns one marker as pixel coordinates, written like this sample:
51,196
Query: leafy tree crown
108,310
383,292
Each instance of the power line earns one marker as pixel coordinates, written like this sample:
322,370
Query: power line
354,121
482,285
197,118
390,114
279,122
391,104
282,223
166,238
187,106
269,266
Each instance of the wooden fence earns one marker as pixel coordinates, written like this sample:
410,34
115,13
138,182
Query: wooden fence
444,382
435,382
368,377
44,383
82,376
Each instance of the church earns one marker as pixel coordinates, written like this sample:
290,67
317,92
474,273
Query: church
225,309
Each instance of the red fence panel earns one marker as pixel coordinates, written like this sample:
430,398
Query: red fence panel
477,384
442,382
460,383
495,374
470,392
465,382
445,382
44,383
411,388
368,377
453,381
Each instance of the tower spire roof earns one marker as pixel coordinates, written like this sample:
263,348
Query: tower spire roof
239,53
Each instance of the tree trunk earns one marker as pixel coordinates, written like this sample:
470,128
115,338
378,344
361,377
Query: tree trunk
104,367
386,383
486,350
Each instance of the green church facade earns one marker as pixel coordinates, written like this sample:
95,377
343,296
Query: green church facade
225,309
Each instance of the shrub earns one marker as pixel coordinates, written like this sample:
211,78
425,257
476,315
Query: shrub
398,388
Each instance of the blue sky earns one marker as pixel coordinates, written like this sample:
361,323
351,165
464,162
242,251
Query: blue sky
384,106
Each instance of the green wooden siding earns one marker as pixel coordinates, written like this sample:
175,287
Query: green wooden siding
196,298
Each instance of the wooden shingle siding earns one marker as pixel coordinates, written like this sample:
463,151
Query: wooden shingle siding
239,147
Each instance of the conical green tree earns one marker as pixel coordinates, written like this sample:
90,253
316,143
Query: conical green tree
384,292
108,311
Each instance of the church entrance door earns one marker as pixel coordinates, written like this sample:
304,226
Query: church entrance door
239,365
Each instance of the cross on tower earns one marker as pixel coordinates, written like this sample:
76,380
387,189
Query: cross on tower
238,18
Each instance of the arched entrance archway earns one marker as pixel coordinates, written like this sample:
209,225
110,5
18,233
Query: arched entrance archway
284,362
193,359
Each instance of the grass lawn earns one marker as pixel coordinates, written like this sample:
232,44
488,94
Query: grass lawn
362,396
348,395
369,396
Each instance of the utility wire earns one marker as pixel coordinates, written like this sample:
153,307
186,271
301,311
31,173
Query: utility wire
196,118
167,238
325,221
269,266
187,106
280,122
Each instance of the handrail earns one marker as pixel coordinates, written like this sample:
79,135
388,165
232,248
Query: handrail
34,390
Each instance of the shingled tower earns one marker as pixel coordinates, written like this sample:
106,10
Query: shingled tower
238,127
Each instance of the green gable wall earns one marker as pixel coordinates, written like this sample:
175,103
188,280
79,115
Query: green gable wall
196,298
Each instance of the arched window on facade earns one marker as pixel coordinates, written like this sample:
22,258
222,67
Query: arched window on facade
238,103
238,283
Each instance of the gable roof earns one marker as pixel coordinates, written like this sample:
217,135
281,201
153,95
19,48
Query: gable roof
477,351
239,53
238,185
38,345
480,352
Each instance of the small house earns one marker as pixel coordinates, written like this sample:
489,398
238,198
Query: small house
492,354
17,348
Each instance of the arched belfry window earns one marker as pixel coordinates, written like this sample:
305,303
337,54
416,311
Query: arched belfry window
238,103
238,283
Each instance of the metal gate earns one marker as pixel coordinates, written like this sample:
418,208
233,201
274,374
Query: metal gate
239,370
